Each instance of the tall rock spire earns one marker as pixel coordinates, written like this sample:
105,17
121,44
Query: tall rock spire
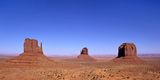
41,47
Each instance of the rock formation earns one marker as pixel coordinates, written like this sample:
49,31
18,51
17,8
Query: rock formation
127,50
33,53
84,51
84,56
31,46
127,53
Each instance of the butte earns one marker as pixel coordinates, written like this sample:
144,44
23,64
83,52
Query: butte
32,55
127,52
84,56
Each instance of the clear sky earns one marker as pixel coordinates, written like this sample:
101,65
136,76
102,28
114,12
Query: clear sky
66,26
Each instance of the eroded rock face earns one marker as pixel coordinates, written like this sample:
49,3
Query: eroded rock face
127,50
84,51
31,46
33,54
127,54
84,56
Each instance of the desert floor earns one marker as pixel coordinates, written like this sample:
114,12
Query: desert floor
67,68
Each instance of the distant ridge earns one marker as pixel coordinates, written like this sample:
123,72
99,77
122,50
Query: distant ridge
149,54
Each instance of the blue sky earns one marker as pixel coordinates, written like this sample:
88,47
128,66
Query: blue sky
66,26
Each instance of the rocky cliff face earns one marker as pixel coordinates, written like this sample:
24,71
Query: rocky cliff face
127,53
32,55
84,56
84,51
31,47
127,50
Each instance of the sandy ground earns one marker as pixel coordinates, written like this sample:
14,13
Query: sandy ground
66,68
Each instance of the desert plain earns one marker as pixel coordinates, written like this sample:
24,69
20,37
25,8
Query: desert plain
68,68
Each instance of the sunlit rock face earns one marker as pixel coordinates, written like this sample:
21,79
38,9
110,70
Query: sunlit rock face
84,56
127,53
31,47
127,50
32,54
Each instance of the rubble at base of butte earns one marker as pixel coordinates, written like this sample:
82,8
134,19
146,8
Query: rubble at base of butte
127,52
33,54
84,56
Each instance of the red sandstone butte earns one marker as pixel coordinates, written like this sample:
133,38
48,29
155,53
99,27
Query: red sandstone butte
33,53
127,52
84,56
